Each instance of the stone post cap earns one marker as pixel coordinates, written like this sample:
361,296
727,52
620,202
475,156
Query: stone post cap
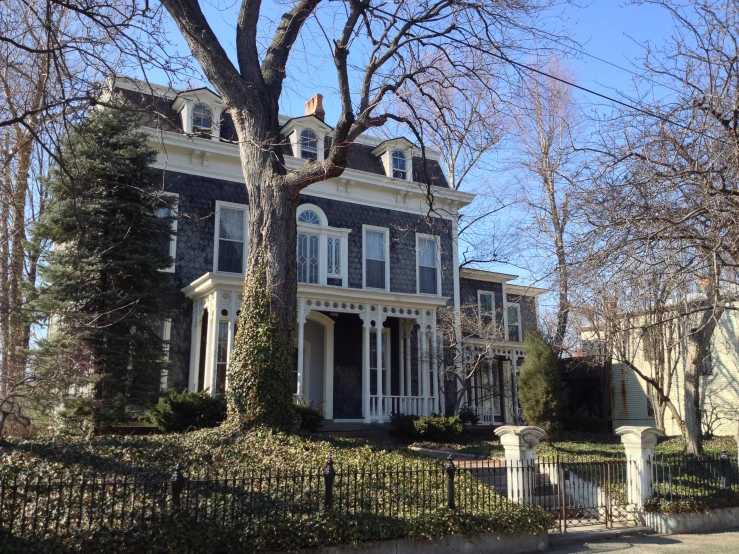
520,434
633,434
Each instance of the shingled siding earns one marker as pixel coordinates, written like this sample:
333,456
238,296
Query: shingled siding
195,236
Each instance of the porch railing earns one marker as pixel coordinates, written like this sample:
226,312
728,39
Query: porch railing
412,405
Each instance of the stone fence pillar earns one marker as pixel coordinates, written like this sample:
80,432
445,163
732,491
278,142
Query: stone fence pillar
520,443
639,443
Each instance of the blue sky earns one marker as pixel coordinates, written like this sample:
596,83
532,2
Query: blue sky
612,30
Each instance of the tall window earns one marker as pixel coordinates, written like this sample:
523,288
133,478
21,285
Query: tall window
308,145
486,311
375,259
307,258
334,258
514,323
168,209
231,239
428,266
400,165
202,119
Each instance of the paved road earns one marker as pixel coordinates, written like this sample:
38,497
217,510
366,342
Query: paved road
713,543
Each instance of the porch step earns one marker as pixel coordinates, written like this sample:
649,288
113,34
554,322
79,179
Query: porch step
356,430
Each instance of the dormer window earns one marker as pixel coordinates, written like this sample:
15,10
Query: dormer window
202,119
308,145
400,168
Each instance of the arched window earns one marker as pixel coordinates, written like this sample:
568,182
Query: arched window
310,217
202,119
400,168
308,145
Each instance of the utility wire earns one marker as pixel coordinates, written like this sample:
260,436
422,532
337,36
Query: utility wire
526,67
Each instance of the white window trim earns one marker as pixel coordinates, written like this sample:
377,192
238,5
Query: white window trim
385,230
221,204
518,307
479,305
435,238
300,142
173,238
324,232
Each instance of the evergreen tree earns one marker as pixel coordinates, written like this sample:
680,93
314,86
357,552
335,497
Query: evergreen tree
539,384
104,293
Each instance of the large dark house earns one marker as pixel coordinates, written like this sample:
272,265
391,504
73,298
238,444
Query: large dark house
373,267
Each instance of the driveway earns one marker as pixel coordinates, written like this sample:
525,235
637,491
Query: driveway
711,543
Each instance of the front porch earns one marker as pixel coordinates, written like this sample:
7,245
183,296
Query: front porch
361,355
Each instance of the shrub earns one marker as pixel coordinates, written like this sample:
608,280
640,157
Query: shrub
311,419
539,385
438,428
469,415
404,425
182,411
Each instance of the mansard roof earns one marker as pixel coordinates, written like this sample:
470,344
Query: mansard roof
156,104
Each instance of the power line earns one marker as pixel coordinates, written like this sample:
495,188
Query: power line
556,78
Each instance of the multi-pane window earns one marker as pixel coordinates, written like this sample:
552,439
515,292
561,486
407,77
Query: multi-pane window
221,356
308,145
428,266
373,363
231,239
400,165
514,323
375,259
334,258
308,258
202,119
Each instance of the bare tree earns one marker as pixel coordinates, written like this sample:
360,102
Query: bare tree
549,125
380,52
54,58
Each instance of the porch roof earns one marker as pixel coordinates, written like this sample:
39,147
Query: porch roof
207,283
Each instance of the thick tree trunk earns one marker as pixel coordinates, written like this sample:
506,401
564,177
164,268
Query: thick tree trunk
259,374
693,443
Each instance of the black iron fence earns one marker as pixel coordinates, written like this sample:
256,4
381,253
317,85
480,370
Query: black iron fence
574,492
34,505
679,478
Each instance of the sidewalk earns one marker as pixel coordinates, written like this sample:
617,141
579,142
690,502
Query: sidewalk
601,541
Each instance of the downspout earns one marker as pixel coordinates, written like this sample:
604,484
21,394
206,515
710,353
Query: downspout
458,362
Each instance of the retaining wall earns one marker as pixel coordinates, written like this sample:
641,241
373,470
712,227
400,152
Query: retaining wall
488,543
704,522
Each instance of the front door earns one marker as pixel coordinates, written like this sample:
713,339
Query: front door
347,366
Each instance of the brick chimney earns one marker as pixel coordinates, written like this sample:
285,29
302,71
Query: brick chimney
314,106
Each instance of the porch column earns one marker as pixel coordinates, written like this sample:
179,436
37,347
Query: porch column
197,322
491,389
426,357
209,382
366,326
409,382
378,362
434,361
301,335
514,386
401,356
639,443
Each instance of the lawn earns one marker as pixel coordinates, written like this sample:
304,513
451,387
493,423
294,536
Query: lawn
579,446
264,492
